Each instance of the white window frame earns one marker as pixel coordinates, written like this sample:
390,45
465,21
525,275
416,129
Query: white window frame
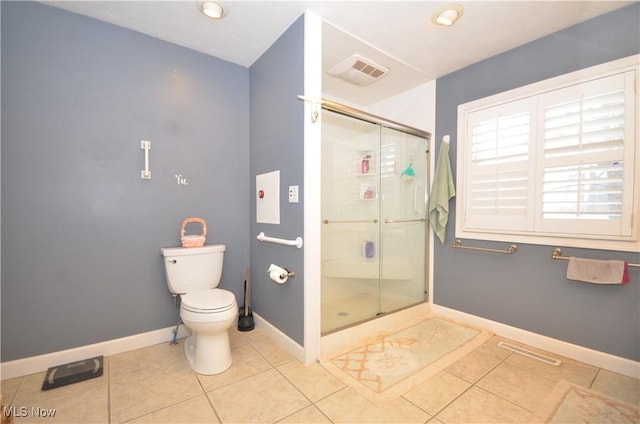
531,231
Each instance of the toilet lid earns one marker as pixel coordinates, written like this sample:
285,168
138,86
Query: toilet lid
208,300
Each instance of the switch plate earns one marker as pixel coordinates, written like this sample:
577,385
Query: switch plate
293,194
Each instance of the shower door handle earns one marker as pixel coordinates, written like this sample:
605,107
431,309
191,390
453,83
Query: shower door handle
417,205
398,221
326,221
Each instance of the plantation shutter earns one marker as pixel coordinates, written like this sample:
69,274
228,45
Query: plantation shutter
498,178
586,150
554,162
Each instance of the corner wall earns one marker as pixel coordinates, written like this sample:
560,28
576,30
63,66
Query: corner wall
81,231
529,290
277,143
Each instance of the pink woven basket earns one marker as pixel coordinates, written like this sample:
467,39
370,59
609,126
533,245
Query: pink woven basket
193,240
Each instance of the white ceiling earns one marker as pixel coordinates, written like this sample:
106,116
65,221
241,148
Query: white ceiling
397,34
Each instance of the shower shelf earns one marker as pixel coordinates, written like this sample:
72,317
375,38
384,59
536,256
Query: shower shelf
368,189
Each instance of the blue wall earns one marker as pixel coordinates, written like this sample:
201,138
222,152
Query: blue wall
277,143
529,290
81,231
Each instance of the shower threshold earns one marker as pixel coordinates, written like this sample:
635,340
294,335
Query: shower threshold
340,339
378,315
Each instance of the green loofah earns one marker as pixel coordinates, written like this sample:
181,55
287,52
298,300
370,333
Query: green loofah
408,174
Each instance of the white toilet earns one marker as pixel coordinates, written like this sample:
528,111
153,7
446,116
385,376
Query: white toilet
194,273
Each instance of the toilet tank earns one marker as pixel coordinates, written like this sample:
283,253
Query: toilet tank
193,268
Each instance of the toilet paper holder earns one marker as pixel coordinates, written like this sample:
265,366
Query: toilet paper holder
285,273
288,274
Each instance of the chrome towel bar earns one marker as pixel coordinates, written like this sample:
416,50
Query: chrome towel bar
557,254
394,221
511,250
326,221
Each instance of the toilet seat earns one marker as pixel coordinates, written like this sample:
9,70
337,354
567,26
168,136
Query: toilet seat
210,301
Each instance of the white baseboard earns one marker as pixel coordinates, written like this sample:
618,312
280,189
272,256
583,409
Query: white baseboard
279,337
34,364
589,356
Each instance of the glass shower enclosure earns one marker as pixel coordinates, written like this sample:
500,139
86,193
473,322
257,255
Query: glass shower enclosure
374,227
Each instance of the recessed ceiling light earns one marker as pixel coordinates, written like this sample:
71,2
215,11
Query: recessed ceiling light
212,9
447,15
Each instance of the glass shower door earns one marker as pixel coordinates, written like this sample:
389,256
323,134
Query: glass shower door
403,224
350,221
374,181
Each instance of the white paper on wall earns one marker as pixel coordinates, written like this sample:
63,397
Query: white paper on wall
268,198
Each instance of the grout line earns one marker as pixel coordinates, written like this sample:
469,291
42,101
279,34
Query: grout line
311,402
326,397
422,409
15,393
506,400
291,382
473,384
204,392
295,387
213,408
454,399
495,394
108,361
172,405
433,417
322,412
593,380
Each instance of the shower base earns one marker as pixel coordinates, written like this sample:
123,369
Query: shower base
357,308
358,334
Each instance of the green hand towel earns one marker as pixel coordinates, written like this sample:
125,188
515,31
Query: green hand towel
442,190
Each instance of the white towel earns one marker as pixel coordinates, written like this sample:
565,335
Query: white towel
442,190
597,272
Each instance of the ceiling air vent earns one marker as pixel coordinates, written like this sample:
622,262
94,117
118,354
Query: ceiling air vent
359,70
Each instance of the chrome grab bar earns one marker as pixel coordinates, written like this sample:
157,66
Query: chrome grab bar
511,250
326,221
395,221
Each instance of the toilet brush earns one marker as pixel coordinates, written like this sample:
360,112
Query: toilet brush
245,321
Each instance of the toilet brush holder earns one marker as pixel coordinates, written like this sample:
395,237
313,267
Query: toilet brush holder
193,240
245,319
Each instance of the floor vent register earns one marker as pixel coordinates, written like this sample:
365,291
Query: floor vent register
73,372
530,354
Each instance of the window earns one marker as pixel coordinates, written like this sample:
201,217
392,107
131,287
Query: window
554,162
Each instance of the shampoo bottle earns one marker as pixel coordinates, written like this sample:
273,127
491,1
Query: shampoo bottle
368,250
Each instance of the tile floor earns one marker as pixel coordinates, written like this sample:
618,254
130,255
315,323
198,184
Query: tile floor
265,384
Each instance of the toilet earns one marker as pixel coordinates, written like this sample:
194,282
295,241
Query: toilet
194,274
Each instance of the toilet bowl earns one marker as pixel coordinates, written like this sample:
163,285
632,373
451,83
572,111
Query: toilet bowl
209,312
